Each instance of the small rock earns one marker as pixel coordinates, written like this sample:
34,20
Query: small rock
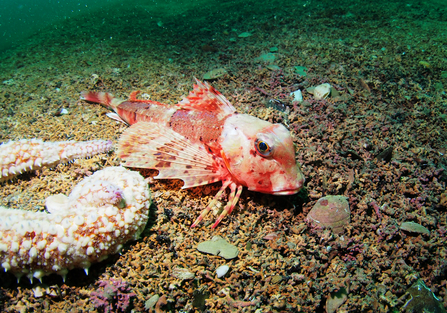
336,299
425,64
245,35
270,236
216,73
301,70
149,304
266,58
218,246
9,82
414,228
273,67
334,93
182,273
443,199
385,155
276,279
222,270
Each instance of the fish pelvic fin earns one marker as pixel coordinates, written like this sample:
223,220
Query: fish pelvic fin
233,198
104,98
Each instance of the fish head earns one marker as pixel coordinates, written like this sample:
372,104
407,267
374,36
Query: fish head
260,155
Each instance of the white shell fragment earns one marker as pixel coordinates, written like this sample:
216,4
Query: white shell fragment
321,91
222,270
297,96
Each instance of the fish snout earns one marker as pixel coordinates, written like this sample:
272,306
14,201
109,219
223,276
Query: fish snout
289,186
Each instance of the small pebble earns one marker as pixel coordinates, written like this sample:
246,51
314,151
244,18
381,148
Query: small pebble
222,270
218,246
182,273
414,228
245,35
149,304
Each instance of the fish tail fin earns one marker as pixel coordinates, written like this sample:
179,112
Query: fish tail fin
104,98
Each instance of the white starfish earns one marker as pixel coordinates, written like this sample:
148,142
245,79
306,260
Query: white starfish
24,155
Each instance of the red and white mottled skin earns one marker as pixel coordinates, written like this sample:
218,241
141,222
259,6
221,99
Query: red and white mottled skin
202,140
102,213
25,155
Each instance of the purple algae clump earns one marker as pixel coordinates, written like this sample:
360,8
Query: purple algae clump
112,296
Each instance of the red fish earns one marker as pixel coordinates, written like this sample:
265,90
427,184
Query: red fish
202,140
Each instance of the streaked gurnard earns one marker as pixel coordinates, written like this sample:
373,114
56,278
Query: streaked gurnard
202,140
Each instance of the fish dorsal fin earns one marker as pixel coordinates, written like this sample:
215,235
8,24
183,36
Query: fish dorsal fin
149,145
205,98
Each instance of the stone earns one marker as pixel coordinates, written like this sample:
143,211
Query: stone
266,58
218,246
336,299
301,70
149,304
245,35
182,273
420,298
216,73
414,228
222,270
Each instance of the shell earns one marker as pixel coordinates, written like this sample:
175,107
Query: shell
321,91
330,211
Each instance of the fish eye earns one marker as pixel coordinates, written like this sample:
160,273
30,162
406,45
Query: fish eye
263,148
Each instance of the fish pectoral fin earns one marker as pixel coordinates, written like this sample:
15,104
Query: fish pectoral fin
150,145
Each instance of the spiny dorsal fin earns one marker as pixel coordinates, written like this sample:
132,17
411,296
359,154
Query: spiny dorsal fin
149,145
205,98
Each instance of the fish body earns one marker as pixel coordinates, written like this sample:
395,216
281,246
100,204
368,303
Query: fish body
202,140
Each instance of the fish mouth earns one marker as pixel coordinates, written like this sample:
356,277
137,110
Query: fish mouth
286,192
290,191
